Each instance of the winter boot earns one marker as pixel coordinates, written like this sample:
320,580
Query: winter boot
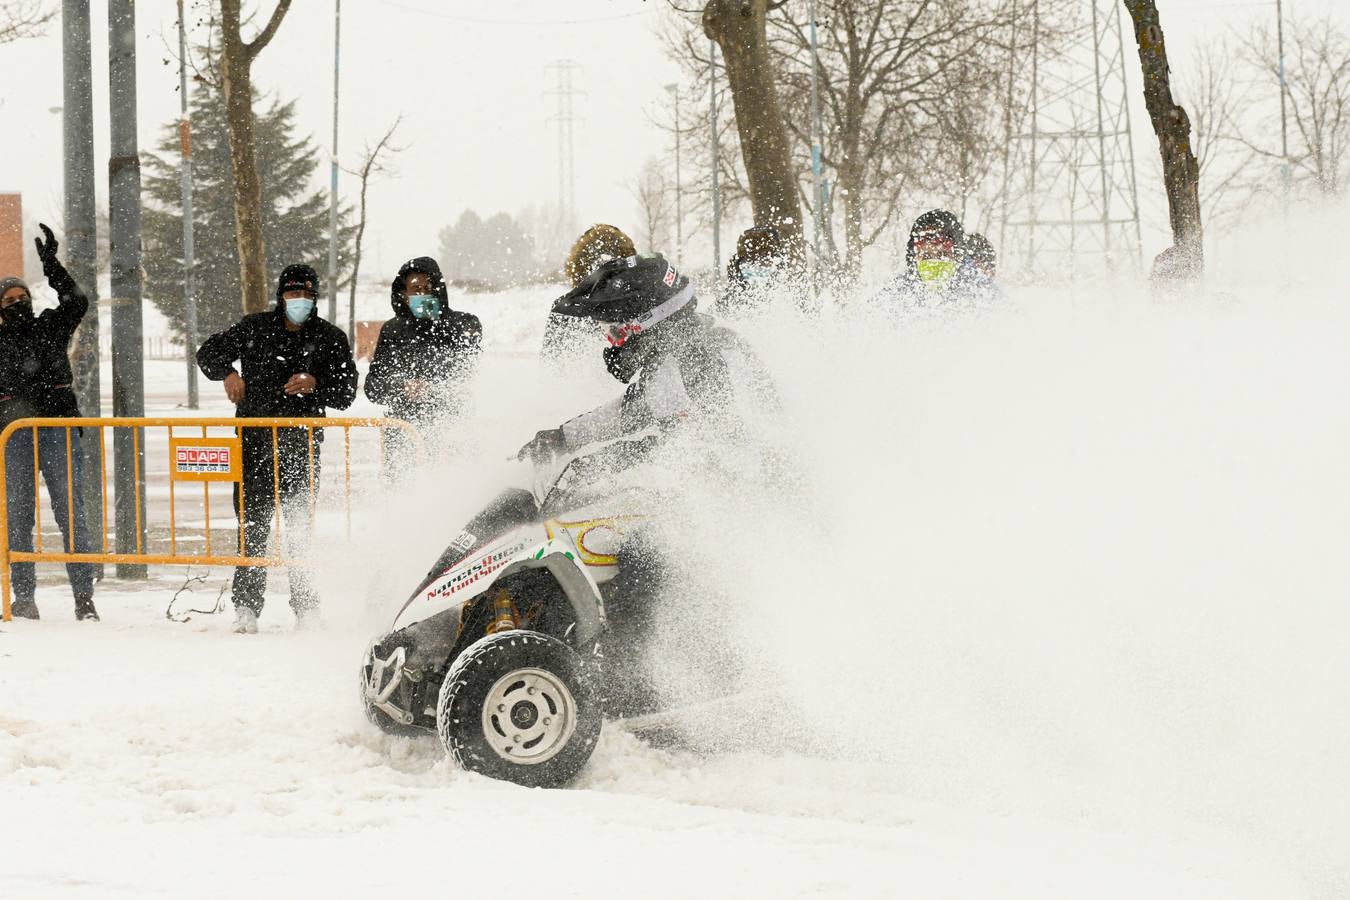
24,609
245,620
307,619
84,609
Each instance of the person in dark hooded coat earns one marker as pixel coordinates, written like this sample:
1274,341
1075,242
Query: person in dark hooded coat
291,364
35,380
425,356
938,271
759,267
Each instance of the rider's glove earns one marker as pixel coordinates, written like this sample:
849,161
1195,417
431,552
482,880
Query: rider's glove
545,447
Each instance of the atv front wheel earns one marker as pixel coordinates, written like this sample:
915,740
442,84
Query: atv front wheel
520,706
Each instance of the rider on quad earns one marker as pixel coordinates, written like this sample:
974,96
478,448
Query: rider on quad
687,378
681,369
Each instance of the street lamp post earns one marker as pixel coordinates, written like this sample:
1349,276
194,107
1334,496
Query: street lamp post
674,91
817,139
716,189
333,173
1285,173
189,287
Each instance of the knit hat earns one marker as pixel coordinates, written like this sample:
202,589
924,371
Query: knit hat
13,281
298,277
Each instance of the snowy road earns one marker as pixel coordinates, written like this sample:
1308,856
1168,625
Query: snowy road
146,758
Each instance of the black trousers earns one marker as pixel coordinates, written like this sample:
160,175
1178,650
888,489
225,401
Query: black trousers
631,613
261,490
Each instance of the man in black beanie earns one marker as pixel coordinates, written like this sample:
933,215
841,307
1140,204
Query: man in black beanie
291,363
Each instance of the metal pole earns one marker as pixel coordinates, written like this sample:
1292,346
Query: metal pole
189,287
817,139
1101,131
1129,146
716,189
81,253
333,173
1035,130
124,202
1286,174
674,91
1008,128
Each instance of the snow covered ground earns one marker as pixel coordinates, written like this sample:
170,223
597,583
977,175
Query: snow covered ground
1067,619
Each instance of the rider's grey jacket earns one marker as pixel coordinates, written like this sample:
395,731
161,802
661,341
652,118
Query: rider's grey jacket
700,376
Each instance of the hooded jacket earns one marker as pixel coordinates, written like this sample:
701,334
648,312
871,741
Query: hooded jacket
442,352
268,355
35,374
967,287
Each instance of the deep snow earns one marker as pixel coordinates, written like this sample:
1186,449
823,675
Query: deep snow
1062,616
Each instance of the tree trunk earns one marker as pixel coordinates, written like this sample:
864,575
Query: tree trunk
235,66
738,28
1181,171
849,185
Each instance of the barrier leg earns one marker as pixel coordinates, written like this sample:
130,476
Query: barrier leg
4,539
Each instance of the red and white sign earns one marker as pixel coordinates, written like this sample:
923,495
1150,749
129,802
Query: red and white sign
205,459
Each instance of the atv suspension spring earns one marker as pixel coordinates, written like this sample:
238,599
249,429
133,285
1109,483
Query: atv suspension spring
504,615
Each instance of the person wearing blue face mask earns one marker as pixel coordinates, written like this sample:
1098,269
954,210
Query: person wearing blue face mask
758,269
424,359
287,362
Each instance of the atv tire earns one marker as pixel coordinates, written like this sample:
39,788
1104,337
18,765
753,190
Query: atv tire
520,706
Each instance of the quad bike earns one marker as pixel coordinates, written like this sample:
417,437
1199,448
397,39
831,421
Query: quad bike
498,650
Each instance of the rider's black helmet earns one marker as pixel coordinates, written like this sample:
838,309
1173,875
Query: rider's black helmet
635,290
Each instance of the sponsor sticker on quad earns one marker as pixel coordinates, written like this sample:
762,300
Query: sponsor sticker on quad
205,458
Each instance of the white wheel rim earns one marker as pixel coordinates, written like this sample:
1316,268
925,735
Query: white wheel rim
529,716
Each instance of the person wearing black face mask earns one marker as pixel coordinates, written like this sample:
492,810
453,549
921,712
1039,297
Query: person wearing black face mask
35,380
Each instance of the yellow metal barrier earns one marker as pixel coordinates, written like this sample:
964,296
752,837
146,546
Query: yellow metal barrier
196,457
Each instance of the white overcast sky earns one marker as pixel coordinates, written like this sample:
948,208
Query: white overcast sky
470,77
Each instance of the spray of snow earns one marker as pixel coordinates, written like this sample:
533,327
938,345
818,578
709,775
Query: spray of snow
1082,558
1058,609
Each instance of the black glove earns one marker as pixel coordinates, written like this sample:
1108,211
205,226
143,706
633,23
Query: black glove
545,447
46,251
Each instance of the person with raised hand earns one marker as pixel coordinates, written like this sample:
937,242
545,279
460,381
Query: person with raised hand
36,381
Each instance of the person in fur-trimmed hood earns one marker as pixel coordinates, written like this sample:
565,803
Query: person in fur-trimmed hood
565,337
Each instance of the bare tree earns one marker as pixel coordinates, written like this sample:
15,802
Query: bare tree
902,83
1217,103
236,63
738,27
655,196
1316,95
914,97
1181,170
21,19
370,165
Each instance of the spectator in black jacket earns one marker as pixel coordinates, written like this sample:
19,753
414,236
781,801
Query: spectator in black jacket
424,357
35,380
757,270
293,364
